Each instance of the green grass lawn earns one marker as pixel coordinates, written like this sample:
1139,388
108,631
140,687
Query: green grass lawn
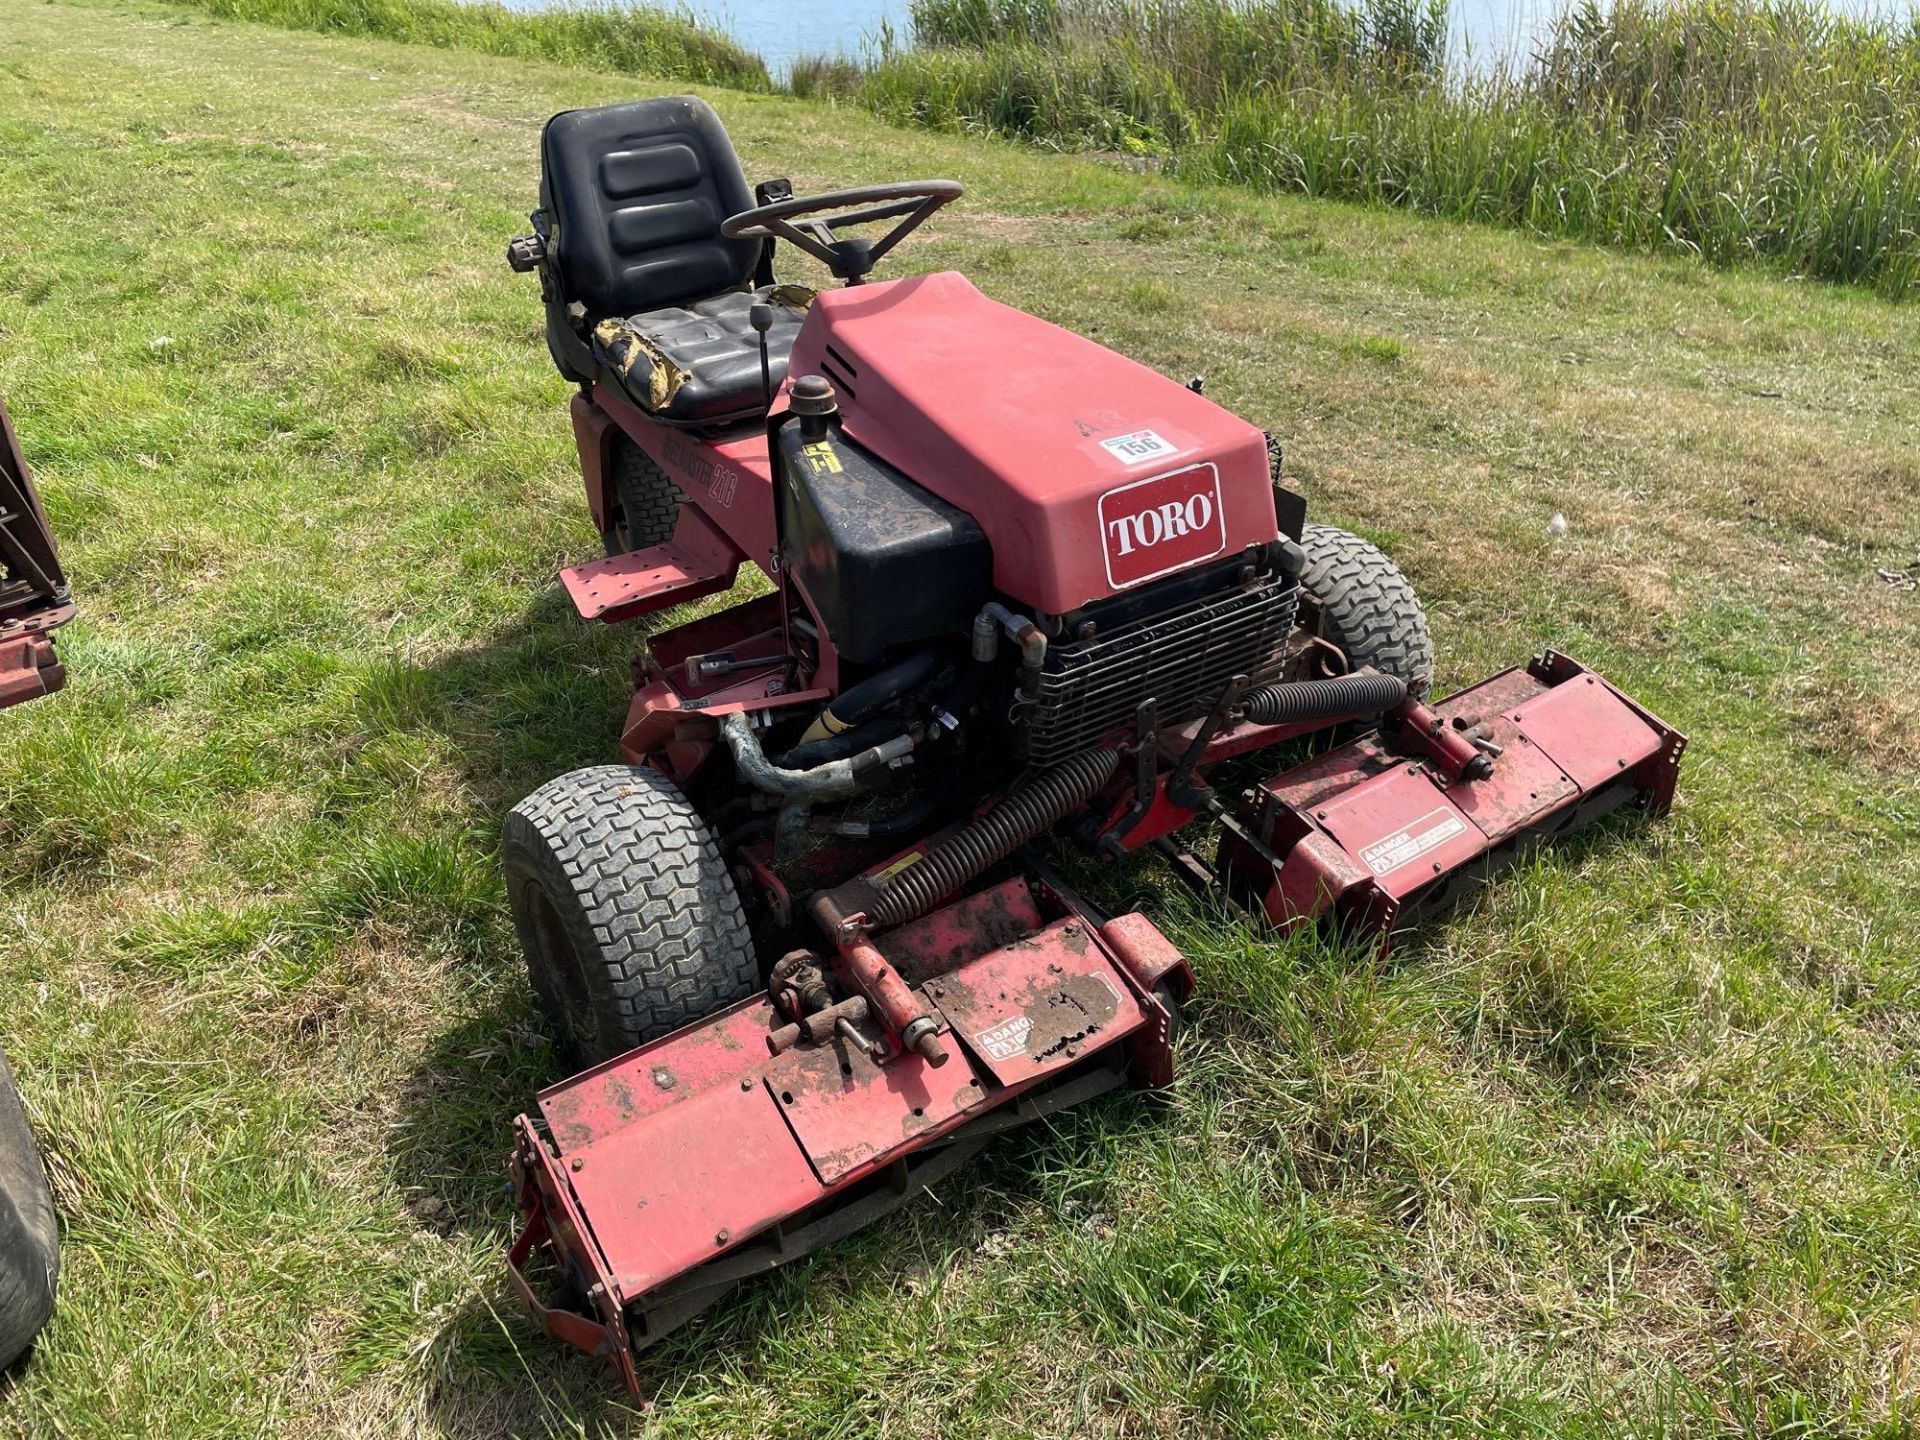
1629,1146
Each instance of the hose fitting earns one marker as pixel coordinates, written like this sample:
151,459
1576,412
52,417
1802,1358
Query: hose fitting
863,701
994,618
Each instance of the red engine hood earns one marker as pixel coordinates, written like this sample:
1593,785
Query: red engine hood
1089,473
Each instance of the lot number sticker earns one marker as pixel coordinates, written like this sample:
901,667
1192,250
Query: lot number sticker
1138,448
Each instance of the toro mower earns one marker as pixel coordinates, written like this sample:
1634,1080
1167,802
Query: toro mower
1015,584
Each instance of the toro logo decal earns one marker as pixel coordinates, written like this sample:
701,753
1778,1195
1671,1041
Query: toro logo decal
1165,523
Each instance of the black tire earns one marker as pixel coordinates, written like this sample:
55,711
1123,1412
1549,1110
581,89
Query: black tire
1366,606
29,1234
646,503
625,911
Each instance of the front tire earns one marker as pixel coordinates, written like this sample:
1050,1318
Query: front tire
29,1234
1365,605
629,921
646,502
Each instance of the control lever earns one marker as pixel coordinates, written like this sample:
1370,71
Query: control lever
761,318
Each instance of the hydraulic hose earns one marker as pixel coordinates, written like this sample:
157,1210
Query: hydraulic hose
835,780
860,702
878,826
1027,810
843,745
1366,692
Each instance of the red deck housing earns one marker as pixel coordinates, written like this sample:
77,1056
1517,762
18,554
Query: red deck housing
649,1168
34,601
1366,832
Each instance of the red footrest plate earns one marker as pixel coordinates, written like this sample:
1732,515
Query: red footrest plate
640,582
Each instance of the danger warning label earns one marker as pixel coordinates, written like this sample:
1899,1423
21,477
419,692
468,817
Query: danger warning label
1005,1040
1411,841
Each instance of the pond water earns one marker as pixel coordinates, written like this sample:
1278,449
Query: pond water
782,29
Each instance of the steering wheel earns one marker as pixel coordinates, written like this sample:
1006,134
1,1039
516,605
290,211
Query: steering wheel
808,222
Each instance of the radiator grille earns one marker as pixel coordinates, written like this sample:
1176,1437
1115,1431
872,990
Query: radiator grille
1182,657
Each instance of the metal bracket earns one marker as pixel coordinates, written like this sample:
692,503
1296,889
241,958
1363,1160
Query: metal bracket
1146,770
1182,788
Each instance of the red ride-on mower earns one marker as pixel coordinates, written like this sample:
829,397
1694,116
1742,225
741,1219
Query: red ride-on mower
1018,583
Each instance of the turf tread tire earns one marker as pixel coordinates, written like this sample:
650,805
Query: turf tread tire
636,884
29,1233
1367,607
646,499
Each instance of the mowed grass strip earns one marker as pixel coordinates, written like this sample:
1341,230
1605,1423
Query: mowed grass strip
1627,1145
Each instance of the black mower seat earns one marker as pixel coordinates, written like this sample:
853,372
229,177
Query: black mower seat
699,363
643,292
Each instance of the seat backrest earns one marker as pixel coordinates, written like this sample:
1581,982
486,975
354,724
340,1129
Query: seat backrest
636,194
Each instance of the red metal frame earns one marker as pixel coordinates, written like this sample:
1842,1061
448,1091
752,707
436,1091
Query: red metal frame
28,669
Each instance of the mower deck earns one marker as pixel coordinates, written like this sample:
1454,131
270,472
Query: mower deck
28,669
655,1182
1366,834
648,1180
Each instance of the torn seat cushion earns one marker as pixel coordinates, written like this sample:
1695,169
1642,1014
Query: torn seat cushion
699,364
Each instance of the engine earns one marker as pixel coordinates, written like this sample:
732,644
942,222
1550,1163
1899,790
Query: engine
1176,643
1003,538
900,583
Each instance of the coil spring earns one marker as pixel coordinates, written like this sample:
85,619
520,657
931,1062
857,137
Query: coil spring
1042,801
1364,693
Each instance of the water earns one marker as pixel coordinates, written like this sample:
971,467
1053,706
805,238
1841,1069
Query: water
780,30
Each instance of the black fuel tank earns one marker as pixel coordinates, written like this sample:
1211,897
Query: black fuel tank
885,562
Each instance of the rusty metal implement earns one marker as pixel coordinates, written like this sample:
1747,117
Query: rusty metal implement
34,598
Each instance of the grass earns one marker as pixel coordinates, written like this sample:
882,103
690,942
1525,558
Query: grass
1741,130
1627,1146
632,38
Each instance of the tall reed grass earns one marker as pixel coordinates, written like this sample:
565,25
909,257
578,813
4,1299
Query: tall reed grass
632,39
1769,130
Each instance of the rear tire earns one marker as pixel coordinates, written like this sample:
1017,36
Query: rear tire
646,502
29,1234
625,911
1367,607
